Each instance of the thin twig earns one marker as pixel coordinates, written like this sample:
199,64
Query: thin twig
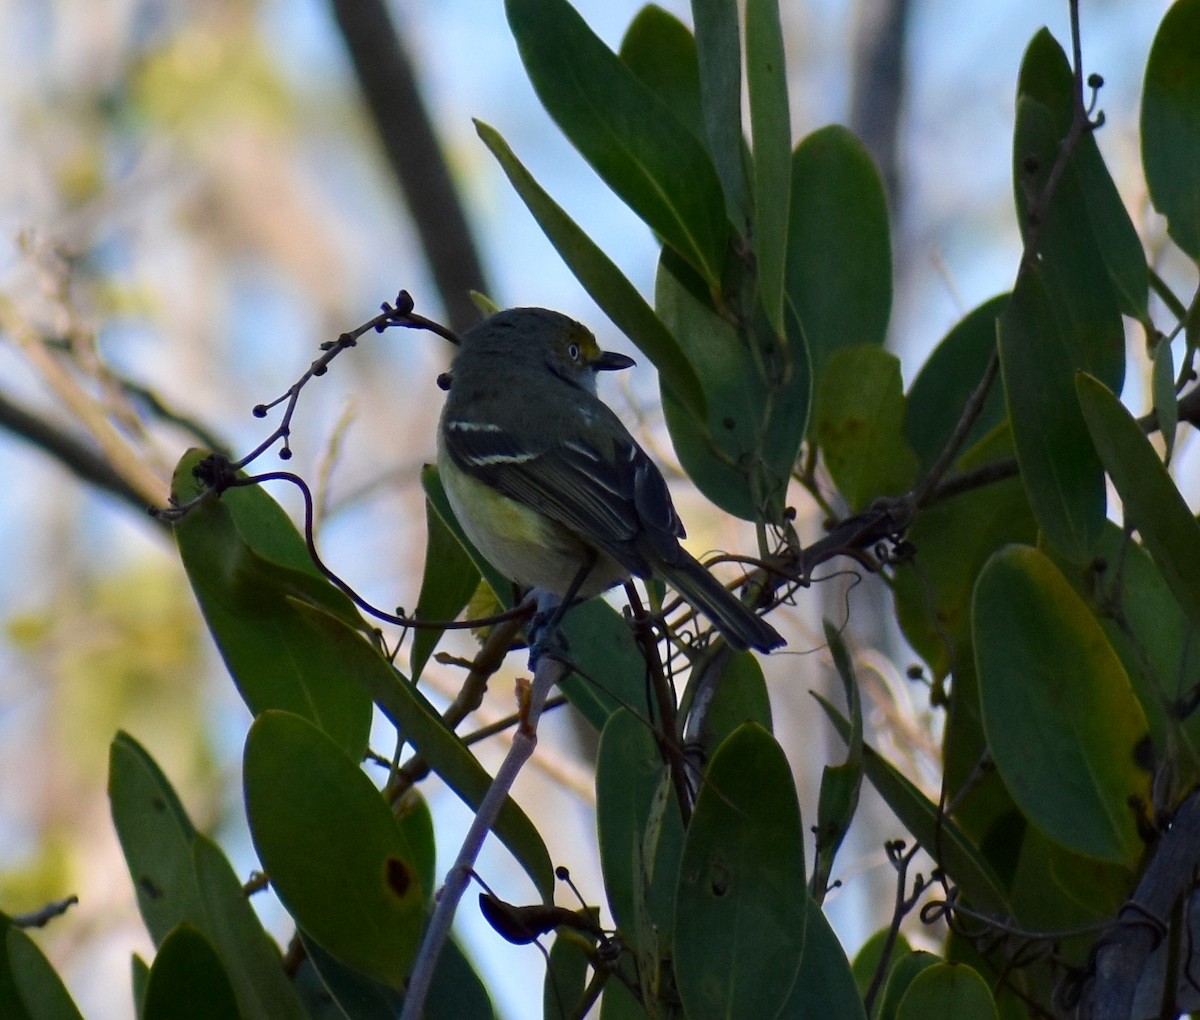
549,672
41,917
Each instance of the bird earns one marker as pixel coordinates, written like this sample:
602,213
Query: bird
550,485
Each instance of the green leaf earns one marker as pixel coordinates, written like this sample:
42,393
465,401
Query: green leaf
932,829
566,976
188,981
139,973
825,985
1171,124
858,423
424,728
660,50
352,992
629,772
771,130
250,957
1149,630
839,247
742,875
869,957
719,55
1059,467
156,838
601,278
904,971
241,554
741,457
457,989
840,784
1087,233
39,992
946,381
609,669
335,855
1151,502
950,990
953,540
727,694
624,131
1162,388
449,581
1046,669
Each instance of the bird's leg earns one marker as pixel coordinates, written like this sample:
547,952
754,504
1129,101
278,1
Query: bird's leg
543,629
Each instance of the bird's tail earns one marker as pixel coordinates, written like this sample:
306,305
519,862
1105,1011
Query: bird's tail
737,624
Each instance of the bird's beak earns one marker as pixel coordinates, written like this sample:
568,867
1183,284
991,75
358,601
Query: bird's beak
610,361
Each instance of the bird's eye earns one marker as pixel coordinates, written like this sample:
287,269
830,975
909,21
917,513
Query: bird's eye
573,352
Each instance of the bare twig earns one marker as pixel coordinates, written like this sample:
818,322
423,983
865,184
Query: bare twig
549,672
41,917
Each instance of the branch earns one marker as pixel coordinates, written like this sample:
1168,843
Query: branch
549,671
393,98
1120,960
75,455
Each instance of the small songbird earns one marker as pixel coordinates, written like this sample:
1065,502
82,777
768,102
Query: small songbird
546,481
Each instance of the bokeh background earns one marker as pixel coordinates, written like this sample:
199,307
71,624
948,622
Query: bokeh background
193,196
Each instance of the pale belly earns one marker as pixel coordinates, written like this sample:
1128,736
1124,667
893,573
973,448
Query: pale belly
525,547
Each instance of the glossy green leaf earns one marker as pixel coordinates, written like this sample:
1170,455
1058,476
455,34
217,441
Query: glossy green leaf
156,838
457,989
839,246
352,992
629,772
601,278
139,974
610,668
449,581
415,820
1059,467
657,167
39,992
1150,632
741,457
566,977
1086,235
335,855
742,875
250,957
1162,389
904,971
422,726
840,783
949,990
1171,124
858,423
953,539
719,56
870,957
946,381
725,691
771,130
660,50
1046,668
1150,500
188,981
934,831
825,985
242,557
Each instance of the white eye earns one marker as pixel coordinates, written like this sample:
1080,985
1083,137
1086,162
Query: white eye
573,352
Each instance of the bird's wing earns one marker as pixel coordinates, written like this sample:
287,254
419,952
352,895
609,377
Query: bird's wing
617,500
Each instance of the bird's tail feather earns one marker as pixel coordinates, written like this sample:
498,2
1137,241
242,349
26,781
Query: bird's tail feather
737,624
